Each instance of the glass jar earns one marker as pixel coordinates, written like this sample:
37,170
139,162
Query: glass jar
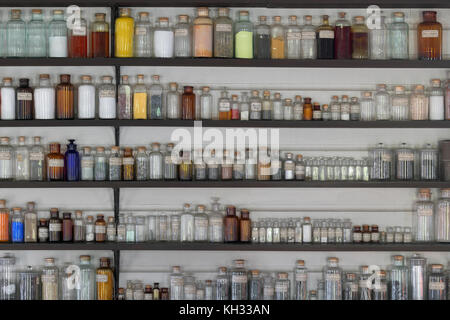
325,39
429,37
399,279
128,164
17,225
268,287
100,229
381,162
345,108
104,280
36,39
255,286
44,98
21,161
206,104
143,36
277,107
86,289
355,109
215,223
200,224
173,105
365,284
255,106
189,288
382,103
121,229
187,224
170,167
43,232
67,227
101,169
418,277
188,103
243,36
437,288
239,281
282,286
4,222
404,163
418,106
332,275
156,162
378,39
342,38
367,105
350,287
155,91
222,284
423,218
398,36
288,110
436,94
176,284
224,106
308,40
245,230
65,109
234,107
107,99
86,98
57,35
111,230
141,164
183,37
124,99
50,280
400,104
140,229
69,281
87,165
8,94
300,278
124,34
202,36
231,225
185,170
442,218
277,39
55,163
24,100
360,38
99,37
262,39
115,164
163,39
54,226
140,98
29,284
78,227
15,35
78,38
72,162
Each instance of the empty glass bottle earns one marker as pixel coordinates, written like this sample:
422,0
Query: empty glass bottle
86,288
215,223
143,36
15,35
398,37
423,217
378,39
239,281
382,103
293,39
332,275
399,104
36,35
22,160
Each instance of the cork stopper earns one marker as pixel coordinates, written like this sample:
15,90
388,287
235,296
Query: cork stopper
155,77
398,258
205,89
87,149
300,263
176,269
143,14
277,19
282,275
44,76
255,273
223,11
36,11
399,14
163,19
203,11
333,259
342,14
399,89
100,16
299,157
58,11
359,19
243,13
141,149
124,12
436,83
262,18
255,93
22,139
100,149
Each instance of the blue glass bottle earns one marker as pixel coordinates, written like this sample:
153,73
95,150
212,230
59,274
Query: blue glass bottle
17,225
72,162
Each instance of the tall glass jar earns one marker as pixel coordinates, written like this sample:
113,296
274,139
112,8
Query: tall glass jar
107,99
36,40
293,39
223,34
206,104
183,37
176,284
50,280
222,284
429,165
8,277
442,218
57,36
262,39
29,284
332,275
239,280
128,164
325,39
231,225
381,163
418,104
78,39
44,98
4,221
398,36
115,164
367,106
400,104
350,287
378,40
140,98
200,224
15,35
399,279
143,36
185,167
86,289
79,233
277,39
429,37
447,96
8,102
17,225
125,99
243,37
405,163
187,224
423,217
360,39
255,286
163,39
202,35
21,160
365,285
30,223
173,105
100,165
155,92
124,34
69,274
105,280
37,155
65,98
141,164
156,163
215,223
86,98
382,103
170,167
282,286
255,106
55,163
342,38
437,287
99,37
436,93
418,277
308,41
300,278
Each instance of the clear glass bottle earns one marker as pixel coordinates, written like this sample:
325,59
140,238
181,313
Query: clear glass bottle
8,95
300,281
124,99
239,281
156,163
342,38
30,223
255,106
398,279
298,108
111,230
115,164
332,275
36,39
355,109
37,156
277,107
437,287
367,105
141,164
243,36
163,39
78,38
21,161
255,285
400,104
176,280
189,292
86,98
442,218
107,98
360,38
378,39
398,36
262,39
308,40
417,277
267,107
57,36
345,108
365,284
277,39
437,104
350,287
223,34
404,163
173,103
215,223
381,163
282,286
155,92
382,103
183,37
140,98
143,36
15,35
224,106
293,39
418,104
101,170
130,229
121,229
170,167
187,224
200,224
222,284
50,280
423,217
206,104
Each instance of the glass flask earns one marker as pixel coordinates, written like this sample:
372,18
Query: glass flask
332,275
176,284
21,160
55,163
170,168
442,218
86,98
29,284
429,37
30,223
423,217
143,36
115,164
155,92
418,105
15,35
156,163
399,279
222,284
36,39
382,103
308,40
437,288
367,107
107,99
342,38
65,98
400,104
360,38
262,39
239,281
378,39
417,277
277,39
300,280
87,165
436,94
163,39
99,37
101,169
187,224
202,34
124,34
72,162
140,98
57,36
325,39
188,103
173,105
8,290
404,163
255,286
350,287
50,280
398,35
44,99
183,37
78,39
8,102
243,37
104,280
365,284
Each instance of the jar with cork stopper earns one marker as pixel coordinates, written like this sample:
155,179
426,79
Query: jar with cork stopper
86,98
293,39
65,109
223,34
163,39
173,103
99,47
107,98
202,35
423,217
125,99
8,94
143,36
55,163
183,37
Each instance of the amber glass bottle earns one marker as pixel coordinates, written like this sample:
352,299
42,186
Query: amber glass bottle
105,280
128,164
100,228
188,103
202,34
307,109
231,225
65,98
429,37
245,229
54,226
24,102
67,227
55,163
360,39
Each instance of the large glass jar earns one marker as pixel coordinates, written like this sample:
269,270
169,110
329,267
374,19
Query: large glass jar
277,39
55,163
365,285
243,37
342,38
308,41
15,35
183,37
8,277
105,280
173,105
86,289
399,104
442,218
404,163
86,98
21,160
398,37
429,164
378,40
78,39
125,99
360,39
107,99
399,279
255,286
300,281
382,103
332,276
200,224
187,224
155,92
202,34
418,105
350,287
143,36
223,35
44,98
176,284
293,39
65,98
215,223
29,284
282,286
423,217
367,107
156,163
57,36
100,165
124,34
429,37
36,35
436,93
50,280
99,37
8,102
69,274
437,286
239,281
262,39
418,277
140,98
381,163
163,39
72,162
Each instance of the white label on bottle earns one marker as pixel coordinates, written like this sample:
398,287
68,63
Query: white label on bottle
111,232
300,277
201,223
100,229
5,156
355,108
300,170
365,284
87,163
140,31
386,157
79,31
357,236
436,286
308,35
244,115
48,278
101,278
36,156
181,32
281,287
222,27
354,287
239,278
24,96
176,281
317,114
115,161
43,232
333,277
128,161
268,292
78,223
375,236
55,227
430,33
293,35
255,106
405,157
224,106
326,34
107,94
59,163
366,237
289,166
425,212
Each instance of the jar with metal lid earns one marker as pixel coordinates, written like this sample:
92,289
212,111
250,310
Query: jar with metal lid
399,279
404,163
332,275
350,287
437,288
423,217
429,163
442,218
379,291
381,163
418,277
255,286
300,280
282,286
8,289
239,281
29,282
50,280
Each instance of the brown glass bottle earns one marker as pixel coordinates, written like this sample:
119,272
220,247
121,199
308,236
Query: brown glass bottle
65,98
231,225
164,293
100,228
156,291
317,112
188,103
67,227
360,39
307,109
128,164
366,233
429,37
185,167
105,280
24,100
245,229
54,226
55,163
43,230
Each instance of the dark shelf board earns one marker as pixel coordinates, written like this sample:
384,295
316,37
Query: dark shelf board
59,123
59,246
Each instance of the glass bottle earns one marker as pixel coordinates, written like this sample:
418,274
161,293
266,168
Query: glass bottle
428,158
325,39
43,230
127,164
202,36
437,108
8,103
300,280
183,37
78,227
86,288
308,41
188,103
437,288
36,39
200,224
99,37
289,167
111,230
67,227
288,110
255,286
442,218
29,284
21,161
140,98
231,225
187,224
235,107
170,168
250,172
404,163
398,35
224,104
107,99
15,35
355,109
176,284
342,38
382,103
298,108
89,229
72,162
17,225
87,165
124,99
365,284
86,98
378,39
4,221
222,284
124,34
239,281
423,218
245,229
282,286
163,39
307,109
429,37
78,39
173,105
215,223
350,287
367,105
50,280
44,99
155,92
115,164
333,280
418,105
54,226
399,104
101,169
277,39
293,39
268,287
255,106
243,36
141,164
64,98
277,107
417,277
307,230
57,36
143,36
185,167
104,280
55,163
121,229
360,39
317,112
189,289
381,161
100,229
447,96
300,168
262,39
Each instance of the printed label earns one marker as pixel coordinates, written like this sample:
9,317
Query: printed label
24,96
181,32
55,227
115,161
10,289
326,34
386,157
43,232
430,33
221,27
48,278
239,279
380,287
101,278
424,211
107,94
357,236
405,157
87,163
436,286
224,106
353,287
293,35
200,223
176,281
128,161
308,35
281,287
5,156
100,229
365,284
58,163
301,277
300,170
255,106
78,223
333,277
289,166
140,31
268,292
375,236
317,114
79,31
36,156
